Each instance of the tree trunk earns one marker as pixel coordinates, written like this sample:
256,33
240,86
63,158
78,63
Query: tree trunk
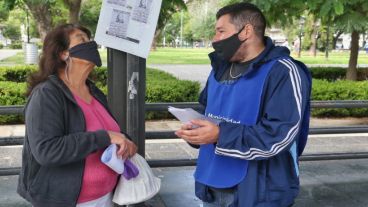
155,39
352,73
74,7
328,37
42,15
313,48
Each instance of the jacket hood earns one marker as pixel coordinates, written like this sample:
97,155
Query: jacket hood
270,52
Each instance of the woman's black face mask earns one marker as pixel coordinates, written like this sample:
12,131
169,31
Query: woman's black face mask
226,48
86,51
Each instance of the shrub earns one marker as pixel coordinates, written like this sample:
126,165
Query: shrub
1,46
334,73
161,87
16,45
17,74
12,93
340,90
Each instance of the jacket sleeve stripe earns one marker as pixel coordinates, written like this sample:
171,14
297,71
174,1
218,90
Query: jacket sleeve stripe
236,153
298,81
277,147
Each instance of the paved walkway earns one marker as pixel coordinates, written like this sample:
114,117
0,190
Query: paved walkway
4,53
200,72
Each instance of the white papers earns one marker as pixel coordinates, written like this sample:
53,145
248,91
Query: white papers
128,25
187,114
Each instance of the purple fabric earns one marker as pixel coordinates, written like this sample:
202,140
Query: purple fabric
130,171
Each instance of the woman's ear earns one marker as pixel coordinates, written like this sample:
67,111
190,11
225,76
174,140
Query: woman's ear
64,56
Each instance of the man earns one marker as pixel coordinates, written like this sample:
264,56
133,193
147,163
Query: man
261,95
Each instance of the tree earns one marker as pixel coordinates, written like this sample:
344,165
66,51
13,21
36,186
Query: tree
74,7
40,10
203,19
168,8
4,10
12,32
349,16
90,13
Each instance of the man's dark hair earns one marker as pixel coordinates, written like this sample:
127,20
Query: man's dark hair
245,13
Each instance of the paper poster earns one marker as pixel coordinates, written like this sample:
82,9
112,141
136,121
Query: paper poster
128,25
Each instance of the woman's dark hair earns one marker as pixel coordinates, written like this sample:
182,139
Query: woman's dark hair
56,42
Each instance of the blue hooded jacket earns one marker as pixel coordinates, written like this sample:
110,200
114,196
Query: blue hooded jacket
273,177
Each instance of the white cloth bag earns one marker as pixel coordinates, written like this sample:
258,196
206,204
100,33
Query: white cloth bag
138,189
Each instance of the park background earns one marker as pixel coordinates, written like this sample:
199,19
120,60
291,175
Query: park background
329,36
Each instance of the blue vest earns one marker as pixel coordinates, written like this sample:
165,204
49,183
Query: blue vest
237,102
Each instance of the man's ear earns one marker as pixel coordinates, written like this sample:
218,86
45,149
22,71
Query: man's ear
247,32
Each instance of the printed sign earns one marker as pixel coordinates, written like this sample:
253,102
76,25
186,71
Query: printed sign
128,25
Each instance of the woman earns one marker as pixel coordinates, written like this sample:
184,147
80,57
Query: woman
68,125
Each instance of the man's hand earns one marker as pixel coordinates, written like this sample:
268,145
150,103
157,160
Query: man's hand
206,133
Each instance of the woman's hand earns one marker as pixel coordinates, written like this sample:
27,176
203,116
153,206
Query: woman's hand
126,147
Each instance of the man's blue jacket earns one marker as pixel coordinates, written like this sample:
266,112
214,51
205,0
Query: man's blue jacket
273,175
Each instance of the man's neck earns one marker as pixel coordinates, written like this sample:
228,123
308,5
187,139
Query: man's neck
252,52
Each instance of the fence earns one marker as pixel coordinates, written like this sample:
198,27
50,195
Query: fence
14,110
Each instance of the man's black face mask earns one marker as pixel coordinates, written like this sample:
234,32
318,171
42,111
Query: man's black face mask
86,51
226,48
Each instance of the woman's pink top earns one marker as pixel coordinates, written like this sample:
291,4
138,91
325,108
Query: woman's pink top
98,178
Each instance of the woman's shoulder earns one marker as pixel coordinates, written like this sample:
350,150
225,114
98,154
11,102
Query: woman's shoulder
45,89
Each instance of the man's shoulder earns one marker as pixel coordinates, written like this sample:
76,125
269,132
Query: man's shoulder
288,68
286,65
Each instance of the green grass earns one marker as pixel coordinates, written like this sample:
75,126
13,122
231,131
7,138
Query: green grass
200,56
179,56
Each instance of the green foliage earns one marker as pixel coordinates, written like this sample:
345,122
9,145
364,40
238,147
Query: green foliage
340,90
1,46
203,19
4,10
161,87
16,73
11,94
12,32
16,45
168,8
172,28
347,14
333,74
90,13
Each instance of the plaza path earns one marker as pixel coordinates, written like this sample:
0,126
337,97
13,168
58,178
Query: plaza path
200,72
4,53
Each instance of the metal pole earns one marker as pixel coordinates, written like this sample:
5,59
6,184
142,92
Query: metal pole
135,120
117,86
126,94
